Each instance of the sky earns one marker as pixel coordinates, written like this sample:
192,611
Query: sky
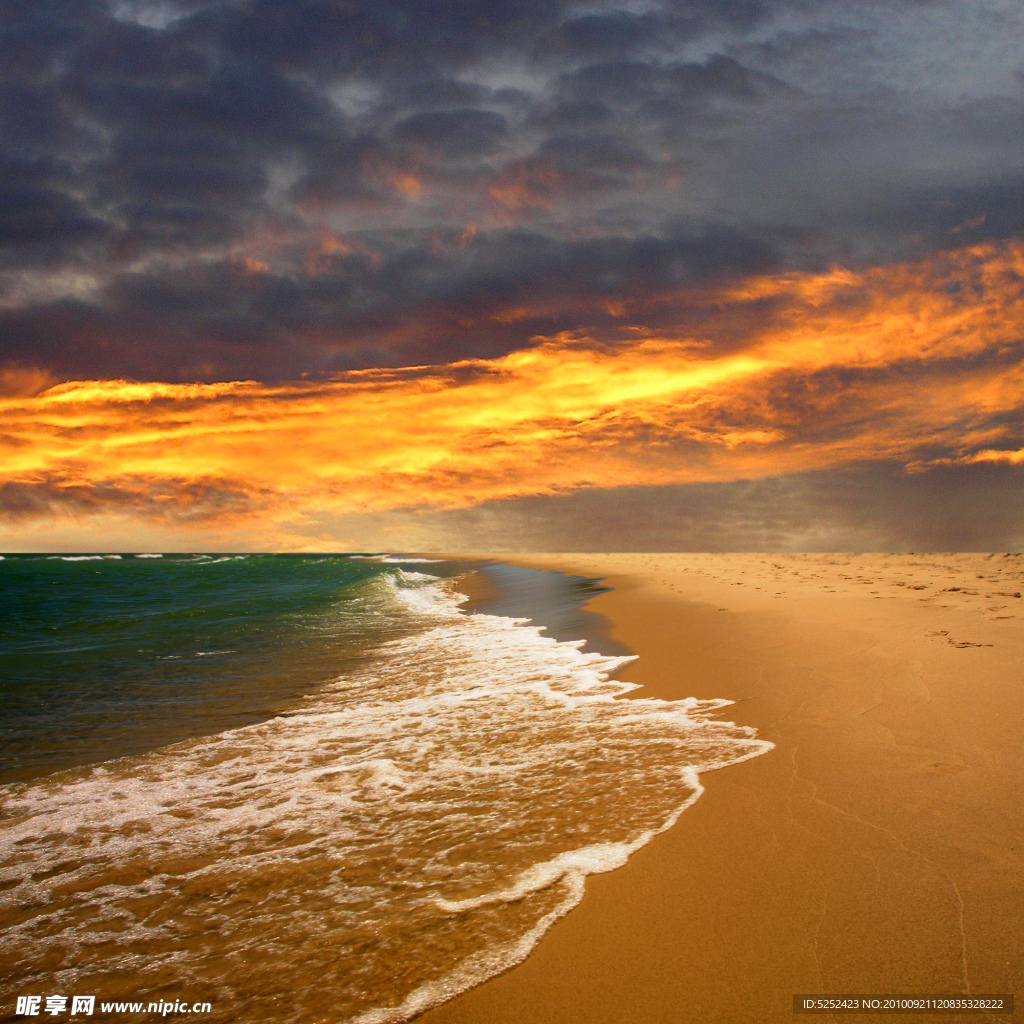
511,275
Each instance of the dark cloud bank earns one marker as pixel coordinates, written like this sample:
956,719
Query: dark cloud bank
204,190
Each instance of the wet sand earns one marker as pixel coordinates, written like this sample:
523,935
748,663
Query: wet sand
878,849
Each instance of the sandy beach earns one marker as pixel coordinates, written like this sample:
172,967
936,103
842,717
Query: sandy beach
877,849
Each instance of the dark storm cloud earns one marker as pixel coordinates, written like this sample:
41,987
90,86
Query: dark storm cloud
197,188
434,89
616,34
226,318
571,114
39,220
596,151
633,82
456,134
967,215
324,37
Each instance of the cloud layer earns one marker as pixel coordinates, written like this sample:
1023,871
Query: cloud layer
916,364
211,190
618,244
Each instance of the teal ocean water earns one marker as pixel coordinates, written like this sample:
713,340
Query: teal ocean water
312,787
105,655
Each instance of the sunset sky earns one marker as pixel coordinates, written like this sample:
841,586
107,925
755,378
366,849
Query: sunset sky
502,275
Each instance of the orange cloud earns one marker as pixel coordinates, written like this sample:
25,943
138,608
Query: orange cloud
322,257
408,185
1015,458
917,363
530,184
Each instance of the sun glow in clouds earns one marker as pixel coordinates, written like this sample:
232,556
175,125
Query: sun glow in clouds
917,362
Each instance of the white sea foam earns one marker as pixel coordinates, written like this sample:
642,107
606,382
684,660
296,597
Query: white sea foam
149,555
395,559
82,558
408,831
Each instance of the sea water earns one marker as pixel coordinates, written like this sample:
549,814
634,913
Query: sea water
308,788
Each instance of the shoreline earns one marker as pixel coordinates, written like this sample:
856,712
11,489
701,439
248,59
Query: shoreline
877,849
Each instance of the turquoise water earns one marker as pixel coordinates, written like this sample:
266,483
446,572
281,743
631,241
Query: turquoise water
102,656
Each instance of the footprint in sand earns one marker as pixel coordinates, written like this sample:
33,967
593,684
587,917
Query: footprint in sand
943,767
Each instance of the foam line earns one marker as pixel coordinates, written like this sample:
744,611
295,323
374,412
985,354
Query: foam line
439,805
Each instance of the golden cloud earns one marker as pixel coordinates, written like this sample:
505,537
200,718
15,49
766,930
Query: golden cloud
915,362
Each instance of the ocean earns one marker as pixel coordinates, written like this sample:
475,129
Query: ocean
313,787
